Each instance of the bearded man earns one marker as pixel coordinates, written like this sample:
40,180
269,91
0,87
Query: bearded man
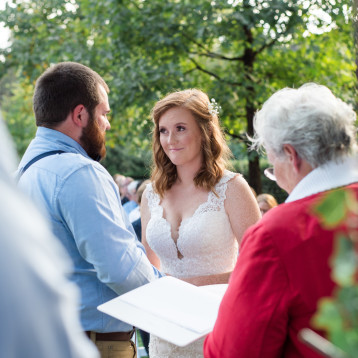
60,170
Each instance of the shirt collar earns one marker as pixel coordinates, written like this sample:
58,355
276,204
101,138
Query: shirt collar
328,176
60,138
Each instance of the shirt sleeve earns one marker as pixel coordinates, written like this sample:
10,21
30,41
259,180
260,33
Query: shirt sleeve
89,203
253,315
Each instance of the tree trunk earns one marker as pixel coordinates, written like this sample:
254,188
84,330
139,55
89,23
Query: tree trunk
255,174
254,160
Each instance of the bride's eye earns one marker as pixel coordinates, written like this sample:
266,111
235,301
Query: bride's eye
181,128
162,130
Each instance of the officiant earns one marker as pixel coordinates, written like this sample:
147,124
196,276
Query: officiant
283,269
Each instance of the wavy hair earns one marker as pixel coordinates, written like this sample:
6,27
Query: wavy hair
215,151
320,126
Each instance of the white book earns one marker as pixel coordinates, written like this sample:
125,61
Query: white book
169,308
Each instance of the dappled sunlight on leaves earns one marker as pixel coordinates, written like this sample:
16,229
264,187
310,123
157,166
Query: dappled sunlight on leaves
335,207
344,262
338,315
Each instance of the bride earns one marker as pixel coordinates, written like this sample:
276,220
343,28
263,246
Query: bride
195,211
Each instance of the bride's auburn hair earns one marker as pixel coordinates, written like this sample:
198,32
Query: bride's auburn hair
215,151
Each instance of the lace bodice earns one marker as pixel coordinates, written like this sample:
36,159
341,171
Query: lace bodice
207,244
205,240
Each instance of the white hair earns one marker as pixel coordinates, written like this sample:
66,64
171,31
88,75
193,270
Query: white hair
317,124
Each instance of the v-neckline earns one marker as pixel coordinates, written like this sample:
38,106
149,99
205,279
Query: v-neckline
182,222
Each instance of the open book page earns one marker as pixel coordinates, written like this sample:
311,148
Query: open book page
169,308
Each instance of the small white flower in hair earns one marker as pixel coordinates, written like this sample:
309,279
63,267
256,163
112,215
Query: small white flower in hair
213,107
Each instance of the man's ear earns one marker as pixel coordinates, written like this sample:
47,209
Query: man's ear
80,116
292,157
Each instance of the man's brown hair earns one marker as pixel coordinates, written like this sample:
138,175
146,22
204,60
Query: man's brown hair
61,88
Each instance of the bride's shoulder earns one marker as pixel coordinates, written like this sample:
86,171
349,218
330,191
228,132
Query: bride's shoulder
236,183
228,176
239,188
148,187
151,195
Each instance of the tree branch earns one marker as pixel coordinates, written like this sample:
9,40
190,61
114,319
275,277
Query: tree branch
217,56
196,42
240,137
189,71
198,67
209,53
266,45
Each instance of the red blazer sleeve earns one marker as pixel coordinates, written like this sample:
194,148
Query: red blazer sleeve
253,316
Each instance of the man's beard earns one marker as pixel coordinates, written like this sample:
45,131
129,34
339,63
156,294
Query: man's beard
93,140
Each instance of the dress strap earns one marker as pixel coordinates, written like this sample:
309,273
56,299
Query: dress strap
216,202
221,187
228,175
152,197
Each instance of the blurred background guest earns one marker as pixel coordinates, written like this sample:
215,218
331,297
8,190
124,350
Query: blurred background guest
122,182
266,202
137,224
131,194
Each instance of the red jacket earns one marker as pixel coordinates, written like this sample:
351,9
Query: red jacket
282,271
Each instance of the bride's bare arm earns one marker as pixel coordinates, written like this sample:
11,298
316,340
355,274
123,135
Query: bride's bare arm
145,216
241,206
243,211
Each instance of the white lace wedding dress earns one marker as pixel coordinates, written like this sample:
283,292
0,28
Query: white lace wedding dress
207,246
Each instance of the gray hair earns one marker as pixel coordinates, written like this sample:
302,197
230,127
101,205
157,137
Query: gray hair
317,124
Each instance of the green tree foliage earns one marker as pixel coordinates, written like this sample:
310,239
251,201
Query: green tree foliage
338,315
238,51
17,104
119,160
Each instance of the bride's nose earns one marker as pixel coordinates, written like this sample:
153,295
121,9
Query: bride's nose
171,138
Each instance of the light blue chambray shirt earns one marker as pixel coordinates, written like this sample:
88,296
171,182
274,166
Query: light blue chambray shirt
83,205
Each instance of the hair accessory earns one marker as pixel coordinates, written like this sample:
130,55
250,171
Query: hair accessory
213,107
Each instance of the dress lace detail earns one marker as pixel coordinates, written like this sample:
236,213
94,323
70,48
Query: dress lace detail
207,244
